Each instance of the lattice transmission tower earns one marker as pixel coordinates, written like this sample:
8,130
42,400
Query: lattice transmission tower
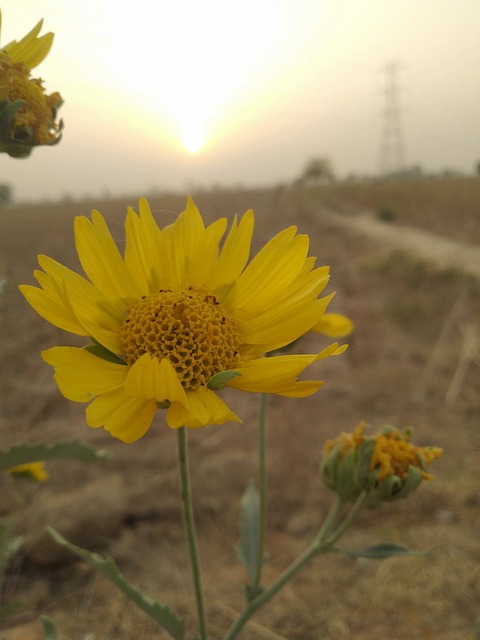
392,149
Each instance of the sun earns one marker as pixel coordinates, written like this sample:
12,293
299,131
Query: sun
188,65
192,139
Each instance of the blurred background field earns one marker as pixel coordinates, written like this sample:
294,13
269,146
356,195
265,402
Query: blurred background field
413,360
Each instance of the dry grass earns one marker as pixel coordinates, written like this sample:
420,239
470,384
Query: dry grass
399,307
447,206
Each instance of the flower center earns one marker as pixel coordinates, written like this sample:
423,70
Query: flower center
189,327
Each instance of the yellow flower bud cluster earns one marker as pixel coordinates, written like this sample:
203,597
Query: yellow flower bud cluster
386,465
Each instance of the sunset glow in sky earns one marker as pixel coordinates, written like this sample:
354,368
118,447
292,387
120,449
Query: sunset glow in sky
174,94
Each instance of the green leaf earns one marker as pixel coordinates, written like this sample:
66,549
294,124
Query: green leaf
50,630
381,551
250,531
219,380
25,453
107,567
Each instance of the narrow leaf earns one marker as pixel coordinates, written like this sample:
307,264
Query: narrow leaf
381,551
107,567
250,531
50,630
24,453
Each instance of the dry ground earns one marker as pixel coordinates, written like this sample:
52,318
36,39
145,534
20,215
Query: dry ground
411,320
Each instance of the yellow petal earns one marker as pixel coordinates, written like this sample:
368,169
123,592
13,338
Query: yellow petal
146,255
102,261
273,269
234,255
98,316
125,417
52,309
279,374
205,265
30,50
334,325
155,379
186,236
204,408
295,311
80,375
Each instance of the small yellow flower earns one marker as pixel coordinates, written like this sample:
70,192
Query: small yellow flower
178,317
35,470
386,465
27,113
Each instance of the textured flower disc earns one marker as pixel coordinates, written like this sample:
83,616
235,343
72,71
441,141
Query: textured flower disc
187,327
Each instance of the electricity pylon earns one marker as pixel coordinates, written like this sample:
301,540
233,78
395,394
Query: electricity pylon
392,150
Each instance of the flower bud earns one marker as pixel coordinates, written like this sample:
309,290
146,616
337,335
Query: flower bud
27,114
385,465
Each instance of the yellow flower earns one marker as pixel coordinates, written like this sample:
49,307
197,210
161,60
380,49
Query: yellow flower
35,470
177,318
27,113
386,465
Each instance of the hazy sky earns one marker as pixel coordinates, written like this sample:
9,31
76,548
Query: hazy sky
261,85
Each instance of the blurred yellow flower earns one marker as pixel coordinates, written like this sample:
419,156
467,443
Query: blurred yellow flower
27,113
35,470
334,325
177,318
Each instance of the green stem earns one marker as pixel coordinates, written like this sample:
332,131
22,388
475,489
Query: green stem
321,544
262,490
190,528
352,514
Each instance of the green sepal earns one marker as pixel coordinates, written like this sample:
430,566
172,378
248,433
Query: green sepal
102,352
162,614
394,488
25,453
219,380
363,477
8,111
50,630
250,537
381,551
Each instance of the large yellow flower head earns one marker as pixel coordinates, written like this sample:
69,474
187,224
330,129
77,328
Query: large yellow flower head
27,113
178,317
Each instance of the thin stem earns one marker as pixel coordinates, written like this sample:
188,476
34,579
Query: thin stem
190,528
352,514
317,546
262,490
321,544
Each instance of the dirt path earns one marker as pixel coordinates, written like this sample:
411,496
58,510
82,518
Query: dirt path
444,252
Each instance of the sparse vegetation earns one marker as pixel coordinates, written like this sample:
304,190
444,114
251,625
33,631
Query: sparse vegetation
399,305
447,206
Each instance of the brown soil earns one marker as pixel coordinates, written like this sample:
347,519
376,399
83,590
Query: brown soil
410,324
